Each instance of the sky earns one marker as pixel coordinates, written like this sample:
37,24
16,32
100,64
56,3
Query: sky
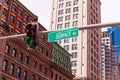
42,8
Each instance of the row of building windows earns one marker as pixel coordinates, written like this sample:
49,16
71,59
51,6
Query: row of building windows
74,39
18,23
20,13
67,25
20,55
68,11
74,47
12,68
25,73
26,61
68,4
68,17
94,77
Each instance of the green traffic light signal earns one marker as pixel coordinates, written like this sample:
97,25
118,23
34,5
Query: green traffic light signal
30,42
31,35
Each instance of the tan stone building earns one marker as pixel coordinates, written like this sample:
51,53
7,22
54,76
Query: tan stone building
85,49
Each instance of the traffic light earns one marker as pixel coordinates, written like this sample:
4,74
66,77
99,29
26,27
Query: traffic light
31,33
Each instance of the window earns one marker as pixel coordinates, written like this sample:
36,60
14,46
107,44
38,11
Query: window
20,56
51,74
5,12
60,19
45,70
25,18
41,49
40,79
74,71
67,17
74,55
61,5
60,78
34,64
26,60
59,26
18,72
18,23
12,18
40,68
59,41
12,69
68,4
74,47
55,76
75,9
75,23
66,40
7,2
33,77
61,0
7,50
66,47
10,29
74,39
24,29
75,2
25,75
75,16
19,12
13,7
60,12
74,63
47,53
5,65
14,52
68,10
67,25
3,78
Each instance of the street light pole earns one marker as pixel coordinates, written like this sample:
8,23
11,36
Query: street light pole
91,26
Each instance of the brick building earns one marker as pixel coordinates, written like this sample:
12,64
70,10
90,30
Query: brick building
16,62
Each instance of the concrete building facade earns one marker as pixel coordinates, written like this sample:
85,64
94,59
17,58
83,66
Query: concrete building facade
85,49
110,63
61,57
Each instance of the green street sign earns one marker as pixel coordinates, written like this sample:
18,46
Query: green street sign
62,34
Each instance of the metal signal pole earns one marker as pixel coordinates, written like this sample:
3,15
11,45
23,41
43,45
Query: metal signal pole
91,26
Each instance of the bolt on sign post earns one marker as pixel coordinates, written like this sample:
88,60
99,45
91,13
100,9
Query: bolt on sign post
31,33
62,34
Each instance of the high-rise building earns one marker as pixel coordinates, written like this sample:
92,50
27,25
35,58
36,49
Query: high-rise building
107,72
110,63
85,49
114,34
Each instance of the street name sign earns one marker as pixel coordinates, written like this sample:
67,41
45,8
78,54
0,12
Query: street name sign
62,34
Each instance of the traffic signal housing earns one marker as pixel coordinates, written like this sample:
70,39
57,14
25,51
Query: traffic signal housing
31,33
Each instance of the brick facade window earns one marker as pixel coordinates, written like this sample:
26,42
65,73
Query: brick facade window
12,69
26,60
7,2
20,56
7,49
25,75
14,51
12,19
18,72
13,7
5,63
